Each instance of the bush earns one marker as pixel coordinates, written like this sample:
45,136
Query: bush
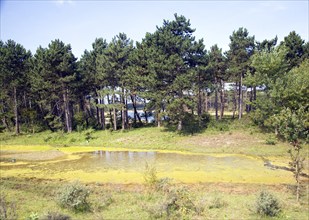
177,204
105,200
7,209
217,202
271,140
150,175
267,204
55,216
74,197
33,216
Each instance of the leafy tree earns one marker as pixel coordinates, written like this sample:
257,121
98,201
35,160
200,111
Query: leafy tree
268,68
241,49
290,118
14,66
293,125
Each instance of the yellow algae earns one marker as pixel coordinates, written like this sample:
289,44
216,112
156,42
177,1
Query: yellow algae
127,166
119,176
25,148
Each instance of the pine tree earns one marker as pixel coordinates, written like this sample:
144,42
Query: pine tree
241,48
217,69
113,65
14,66
55,73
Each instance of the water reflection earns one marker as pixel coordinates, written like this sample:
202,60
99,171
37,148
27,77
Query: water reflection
136,161
128,166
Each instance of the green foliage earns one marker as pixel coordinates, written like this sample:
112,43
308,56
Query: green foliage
74,196
176,204
267,204
89,134
7,209
33,216
292,125
222,125
150,175
295,49
271,140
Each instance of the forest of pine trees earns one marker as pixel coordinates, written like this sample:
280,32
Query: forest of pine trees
169,75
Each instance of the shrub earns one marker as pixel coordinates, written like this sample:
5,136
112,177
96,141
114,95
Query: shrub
74,197
177,204
271,140
55,216
267,204
33,216
105,200
7,209
150,175
217,202
163,184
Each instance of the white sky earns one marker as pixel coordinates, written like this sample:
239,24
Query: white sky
35,23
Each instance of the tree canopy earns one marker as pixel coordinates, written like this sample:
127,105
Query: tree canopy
168,75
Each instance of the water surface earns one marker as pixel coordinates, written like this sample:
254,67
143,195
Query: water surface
129,166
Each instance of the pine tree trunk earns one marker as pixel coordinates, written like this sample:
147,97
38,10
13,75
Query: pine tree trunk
199,104
109,111
251,99
240,97
17,129
222,100
216,98
123,112
179,126
102,114
126,110
114,113
254,95
158,117
136,115
235,100
206,102
67,113
145,112
98,114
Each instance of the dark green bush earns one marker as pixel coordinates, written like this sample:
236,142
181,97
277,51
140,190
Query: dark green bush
74,197
267,204
271,140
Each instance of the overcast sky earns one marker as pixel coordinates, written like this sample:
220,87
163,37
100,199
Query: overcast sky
35,23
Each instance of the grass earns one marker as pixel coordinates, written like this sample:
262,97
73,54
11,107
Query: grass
136,201
214,201
237,140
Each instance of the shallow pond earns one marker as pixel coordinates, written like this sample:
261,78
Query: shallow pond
129,166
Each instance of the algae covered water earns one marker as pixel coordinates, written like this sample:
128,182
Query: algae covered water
128,167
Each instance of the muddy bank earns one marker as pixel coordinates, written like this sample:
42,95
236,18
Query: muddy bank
31,156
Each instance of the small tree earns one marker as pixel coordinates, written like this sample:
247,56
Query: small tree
293,126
